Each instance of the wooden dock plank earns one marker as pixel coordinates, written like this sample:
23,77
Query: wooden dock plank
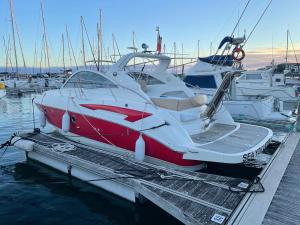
191,197
285,206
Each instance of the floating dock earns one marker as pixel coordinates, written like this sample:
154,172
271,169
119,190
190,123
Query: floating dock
190,197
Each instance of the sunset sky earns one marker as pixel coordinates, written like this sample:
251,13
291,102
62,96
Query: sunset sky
183,22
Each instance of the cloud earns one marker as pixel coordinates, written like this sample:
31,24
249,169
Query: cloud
263,56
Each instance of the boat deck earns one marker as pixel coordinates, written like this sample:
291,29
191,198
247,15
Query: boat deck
191,197
285,206
243,139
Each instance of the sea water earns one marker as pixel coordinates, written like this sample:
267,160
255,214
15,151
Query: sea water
32,193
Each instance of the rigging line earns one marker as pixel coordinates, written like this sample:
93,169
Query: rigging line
239,20
294,51
261,16
90,44
258,21
236,25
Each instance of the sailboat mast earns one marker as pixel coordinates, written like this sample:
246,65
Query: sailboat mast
5,45
13,33
100,39
287,47
114,48
133,45
63,51
198,48
34,58
82,42
98,44
175,60
45,37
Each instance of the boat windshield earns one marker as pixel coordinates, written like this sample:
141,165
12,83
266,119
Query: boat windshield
148,79
203,81
89,80
251,76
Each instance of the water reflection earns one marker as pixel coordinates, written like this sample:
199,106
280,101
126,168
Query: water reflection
29,196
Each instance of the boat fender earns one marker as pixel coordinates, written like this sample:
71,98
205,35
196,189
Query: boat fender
139,154
25,145
42,119
65,123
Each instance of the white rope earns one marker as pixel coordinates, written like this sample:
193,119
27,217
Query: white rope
60,147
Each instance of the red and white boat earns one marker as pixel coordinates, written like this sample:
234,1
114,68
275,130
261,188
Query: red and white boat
151,115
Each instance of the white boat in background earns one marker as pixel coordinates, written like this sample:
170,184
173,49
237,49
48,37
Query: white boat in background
206,78
152,116
2,90
265,82
34,83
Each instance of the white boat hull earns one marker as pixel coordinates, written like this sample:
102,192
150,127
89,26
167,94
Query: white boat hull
262,109
2,93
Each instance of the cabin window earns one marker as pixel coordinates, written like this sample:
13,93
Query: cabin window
277,80
253,76
86,79
205,81
149,80
176,94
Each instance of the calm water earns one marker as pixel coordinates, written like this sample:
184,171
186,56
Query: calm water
27,195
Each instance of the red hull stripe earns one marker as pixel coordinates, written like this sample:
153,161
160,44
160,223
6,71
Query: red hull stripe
132,115
116,134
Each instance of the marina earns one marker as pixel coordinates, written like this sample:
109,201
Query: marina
96,131
185,195
171,190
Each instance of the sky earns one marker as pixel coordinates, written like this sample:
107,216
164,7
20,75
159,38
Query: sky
181,21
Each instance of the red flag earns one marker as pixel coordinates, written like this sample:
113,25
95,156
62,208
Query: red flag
159,41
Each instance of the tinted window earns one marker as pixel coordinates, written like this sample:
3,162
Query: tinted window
89,80
207,81
145,77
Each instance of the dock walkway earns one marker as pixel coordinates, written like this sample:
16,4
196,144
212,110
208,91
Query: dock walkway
192,198
285,206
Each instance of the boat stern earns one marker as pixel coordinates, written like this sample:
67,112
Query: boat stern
240,144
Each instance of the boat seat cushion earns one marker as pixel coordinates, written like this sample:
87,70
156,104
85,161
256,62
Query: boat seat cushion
180,104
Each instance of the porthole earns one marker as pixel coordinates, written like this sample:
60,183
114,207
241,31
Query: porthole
73,119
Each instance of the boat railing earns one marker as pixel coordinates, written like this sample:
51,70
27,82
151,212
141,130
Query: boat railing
219,95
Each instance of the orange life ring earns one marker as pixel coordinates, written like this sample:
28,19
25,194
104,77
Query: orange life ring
238,54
